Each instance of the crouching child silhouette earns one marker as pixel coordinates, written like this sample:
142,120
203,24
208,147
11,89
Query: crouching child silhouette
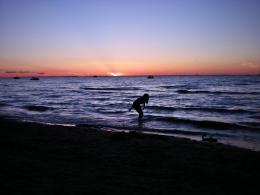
137,104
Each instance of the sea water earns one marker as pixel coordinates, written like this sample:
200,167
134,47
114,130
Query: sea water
225,107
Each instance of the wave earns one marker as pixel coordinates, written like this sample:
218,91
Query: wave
203,123
37,108
101,98
54,96
185,91
149,130
112,112
59,103
256,117
174,86
252,124
179,86
110,88
3,104
203,109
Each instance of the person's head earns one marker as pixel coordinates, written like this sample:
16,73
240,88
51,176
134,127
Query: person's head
146,97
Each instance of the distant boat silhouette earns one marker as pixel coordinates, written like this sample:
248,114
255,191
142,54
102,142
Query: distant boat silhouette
150,76
35,79
208,139
95,76
16,78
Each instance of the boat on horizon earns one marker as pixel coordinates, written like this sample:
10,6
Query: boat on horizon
35,79
150,76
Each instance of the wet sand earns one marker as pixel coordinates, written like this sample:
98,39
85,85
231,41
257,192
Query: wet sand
45,159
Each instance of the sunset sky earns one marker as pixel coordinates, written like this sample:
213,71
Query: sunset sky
129,37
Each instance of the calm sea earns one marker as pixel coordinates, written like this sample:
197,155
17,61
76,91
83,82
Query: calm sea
225,107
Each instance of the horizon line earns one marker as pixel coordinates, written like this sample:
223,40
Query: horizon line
145,75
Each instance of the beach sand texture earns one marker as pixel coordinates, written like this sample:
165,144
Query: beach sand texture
54,159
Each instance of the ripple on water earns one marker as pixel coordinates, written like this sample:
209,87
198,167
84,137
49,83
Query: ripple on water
38,108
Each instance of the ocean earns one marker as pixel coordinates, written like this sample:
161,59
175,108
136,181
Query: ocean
224,107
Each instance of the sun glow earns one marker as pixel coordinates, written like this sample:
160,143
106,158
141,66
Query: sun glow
115,74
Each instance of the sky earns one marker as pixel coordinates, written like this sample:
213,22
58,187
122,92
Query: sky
129,37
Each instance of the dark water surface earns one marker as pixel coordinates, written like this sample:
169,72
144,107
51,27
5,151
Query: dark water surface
226,107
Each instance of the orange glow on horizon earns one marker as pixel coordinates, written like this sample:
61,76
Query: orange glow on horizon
83,67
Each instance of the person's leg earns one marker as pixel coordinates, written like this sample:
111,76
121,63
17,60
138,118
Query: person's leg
139,110
141,114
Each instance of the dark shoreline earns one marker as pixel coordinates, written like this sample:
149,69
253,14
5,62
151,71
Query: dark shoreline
46,159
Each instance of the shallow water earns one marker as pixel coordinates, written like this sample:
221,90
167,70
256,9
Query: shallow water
226,107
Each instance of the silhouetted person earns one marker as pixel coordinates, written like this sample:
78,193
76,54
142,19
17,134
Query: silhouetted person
137,104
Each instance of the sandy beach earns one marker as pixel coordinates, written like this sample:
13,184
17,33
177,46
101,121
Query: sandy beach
45,159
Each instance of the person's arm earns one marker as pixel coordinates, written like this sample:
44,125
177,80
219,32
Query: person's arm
143,105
